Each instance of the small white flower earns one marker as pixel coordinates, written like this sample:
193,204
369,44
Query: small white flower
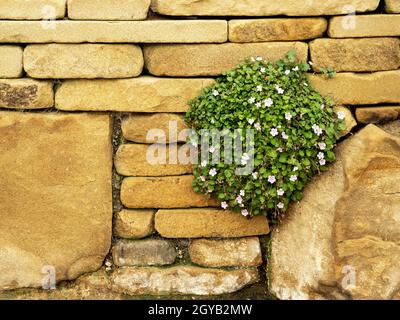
212,172
288,116
255,175
257,126
251,121
245,213
259,59
204,163
285,136
295,169
320,155
274,132
279,150
212,121
341,115
280,205
279,127
258,104
252,100
203,178
293,178
215,93
263,70
322,106
279,89
211,149
310,63
322,162
271,179
242,193
317,129
268,102
224,205
287,72
239,199
259,88
296,68
321,145
280,192
306,84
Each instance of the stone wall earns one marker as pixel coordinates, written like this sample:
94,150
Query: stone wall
81,84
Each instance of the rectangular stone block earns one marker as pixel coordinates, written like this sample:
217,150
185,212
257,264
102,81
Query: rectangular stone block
260,7
26,94
134,224
143,94
370,54
359,89
377,114
208,223
213,59
150,31
108,9
392,6
32,10
136,127
63,61
143,160
259,30
359,26
10,61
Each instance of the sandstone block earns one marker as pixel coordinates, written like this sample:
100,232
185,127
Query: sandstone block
55,204
57,61
32,10
276,29
143,94
10,61
377,114
213,59
134,224
26,94
207,223
185,280
392,6
242,252
108,9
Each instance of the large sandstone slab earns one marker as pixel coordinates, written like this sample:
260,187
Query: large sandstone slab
26,94
379,25
144,160
377,114
259,30
260,7
108,9
134,224
370,54
185,280
392,6
55,204
359,89
213,59
208,223
342,240
242,252
32,10
162,192
150,31
143,94
60,61
10,61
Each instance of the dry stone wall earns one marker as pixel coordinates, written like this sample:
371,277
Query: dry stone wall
79,77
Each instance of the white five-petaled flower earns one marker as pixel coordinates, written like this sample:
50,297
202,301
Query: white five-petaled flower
245,213
252,100
259,88
202,178
317,129
274,132
280,205
279,89
212,172
259,59
242,193
296,68
257,126
211,149
268,102
285,136
258,104
251,121
295,169
224,205
320,155
255,175
204,163
239,199
288,116
341,115
280,192
279,150
322,162
263,70
271,179
215,93
287,72
322,145
293,178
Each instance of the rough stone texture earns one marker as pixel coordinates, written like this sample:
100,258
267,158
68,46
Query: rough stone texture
208,223
143,94
26,94
377,114
242,252
392,6
380,25
58,61
149,31
370,54
10,61
144,160
134,224
260,7
213,59
359,89
108,9
32,10
350,121
260,30
149,252
348,217
162,192
55,204
136,127
181,280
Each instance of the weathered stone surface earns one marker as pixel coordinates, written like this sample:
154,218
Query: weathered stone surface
136,127
347,221
377,114
276,29
370,54
181,280
58,61
26,94
162,192
392,6
144,160
10,61
150,31
349,119
32,10
208,223
134,224
260,7
243,252
213,59
55,204
149,252
108,9
359,89
379,25
143,94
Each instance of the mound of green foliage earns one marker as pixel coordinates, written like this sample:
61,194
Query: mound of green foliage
295,130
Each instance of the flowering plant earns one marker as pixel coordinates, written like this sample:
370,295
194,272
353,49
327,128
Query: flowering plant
294,131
